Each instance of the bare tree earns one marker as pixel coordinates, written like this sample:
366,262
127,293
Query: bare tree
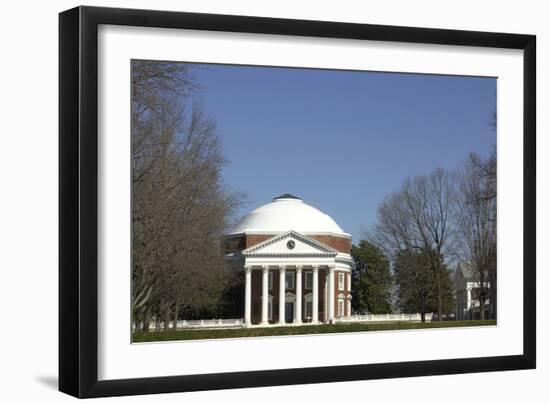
180,207
418,217
475,216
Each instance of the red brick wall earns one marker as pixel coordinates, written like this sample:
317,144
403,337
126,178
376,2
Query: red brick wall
346,292
256,296
253,239
238,243
341,244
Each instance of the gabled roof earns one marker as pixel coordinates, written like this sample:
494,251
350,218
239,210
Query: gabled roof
308,246
465,270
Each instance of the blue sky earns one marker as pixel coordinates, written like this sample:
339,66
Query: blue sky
342,140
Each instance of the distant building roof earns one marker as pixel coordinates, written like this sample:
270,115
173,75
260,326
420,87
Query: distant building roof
465,269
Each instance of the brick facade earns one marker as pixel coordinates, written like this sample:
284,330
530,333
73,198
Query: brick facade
346,291
241,242
256,314
341,244
274,293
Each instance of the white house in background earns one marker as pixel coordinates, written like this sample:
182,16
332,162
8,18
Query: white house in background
467,289
296,264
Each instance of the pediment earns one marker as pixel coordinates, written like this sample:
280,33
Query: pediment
290,243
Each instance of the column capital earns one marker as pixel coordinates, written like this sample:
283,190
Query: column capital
298,268
315,269
247,268
265,268
282,268
331,268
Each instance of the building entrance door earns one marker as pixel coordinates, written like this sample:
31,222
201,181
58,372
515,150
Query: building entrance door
289,312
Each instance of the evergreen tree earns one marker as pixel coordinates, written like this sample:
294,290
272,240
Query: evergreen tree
417,284
372,280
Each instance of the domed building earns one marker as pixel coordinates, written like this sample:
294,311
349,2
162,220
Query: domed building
296,264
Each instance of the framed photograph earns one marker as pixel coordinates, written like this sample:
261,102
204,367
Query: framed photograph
251,202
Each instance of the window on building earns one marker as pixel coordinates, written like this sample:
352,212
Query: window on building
340,307
270,280
309,309
309,280
341,281
476,293
289,280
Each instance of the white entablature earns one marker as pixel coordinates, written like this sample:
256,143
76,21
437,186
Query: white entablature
280,245
293,248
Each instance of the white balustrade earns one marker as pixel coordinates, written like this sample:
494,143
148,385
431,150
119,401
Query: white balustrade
208,323
390,317
239,322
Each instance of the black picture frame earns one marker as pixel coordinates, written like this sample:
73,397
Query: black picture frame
78,201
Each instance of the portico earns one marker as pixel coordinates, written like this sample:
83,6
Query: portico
282,284
305,308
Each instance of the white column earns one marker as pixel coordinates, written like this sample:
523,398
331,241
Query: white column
326,298
265,293
459,304
315,303
348,309
469,312
282,295
331,294
298,307
247,295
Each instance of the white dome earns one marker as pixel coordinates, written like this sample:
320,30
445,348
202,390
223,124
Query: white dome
285,213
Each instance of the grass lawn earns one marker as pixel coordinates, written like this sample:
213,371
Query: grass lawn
295,330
